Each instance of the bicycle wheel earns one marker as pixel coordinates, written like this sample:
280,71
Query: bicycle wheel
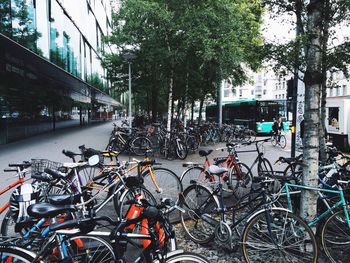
122,201
140,145
252,135
283,141
186,257
18,255
194,174
90,249
201,216
162,183
335,237
273,140
181,150
265,168
240,179
277,235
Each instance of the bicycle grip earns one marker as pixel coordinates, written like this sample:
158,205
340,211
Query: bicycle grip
10,170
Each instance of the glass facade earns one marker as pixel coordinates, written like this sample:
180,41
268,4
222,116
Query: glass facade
68,33
57,65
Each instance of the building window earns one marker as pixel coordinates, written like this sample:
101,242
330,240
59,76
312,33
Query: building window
240,93
345,90
338,91
226,93
276,96
264,92
282,96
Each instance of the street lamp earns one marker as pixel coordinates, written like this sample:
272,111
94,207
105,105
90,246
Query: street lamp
128,56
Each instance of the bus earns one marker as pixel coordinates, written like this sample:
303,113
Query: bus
257,115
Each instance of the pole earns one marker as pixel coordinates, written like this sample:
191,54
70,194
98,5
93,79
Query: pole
220,102
294,107
130,115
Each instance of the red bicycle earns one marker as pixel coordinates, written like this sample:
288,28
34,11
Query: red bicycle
240,174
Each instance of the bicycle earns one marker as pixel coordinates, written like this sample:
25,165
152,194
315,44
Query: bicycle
239,172
160,182
278,139
334,224
264,166
267,230
154,248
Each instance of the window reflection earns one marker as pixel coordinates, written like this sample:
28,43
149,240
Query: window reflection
43,27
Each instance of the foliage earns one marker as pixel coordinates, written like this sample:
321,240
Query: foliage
336,57
201,41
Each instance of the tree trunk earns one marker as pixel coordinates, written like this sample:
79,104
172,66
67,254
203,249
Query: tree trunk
322,132
200,110
313,81
185,99
170,100
192,111
155,100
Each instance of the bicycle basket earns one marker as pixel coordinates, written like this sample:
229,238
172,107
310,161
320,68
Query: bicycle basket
39,165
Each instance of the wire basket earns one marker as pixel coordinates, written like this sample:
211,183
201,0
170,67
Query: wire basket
39,165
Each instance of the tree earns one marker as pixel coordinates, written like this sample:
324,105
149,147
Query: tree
313,81
185,47
316,55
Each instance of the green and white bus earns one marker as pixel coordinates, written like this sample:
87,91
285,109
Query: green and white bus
258,115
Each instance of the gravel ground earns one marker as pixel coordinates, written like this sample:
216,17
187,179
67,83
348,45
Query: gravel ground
214,251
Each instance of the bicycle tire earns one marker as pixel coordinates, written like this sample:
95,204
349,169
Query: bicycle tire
18,255
335,237
265,168
181,150
283,141
194,174
168,182
273,140
140,145
252,135
90,249
194,219
240,179
256,242
186,257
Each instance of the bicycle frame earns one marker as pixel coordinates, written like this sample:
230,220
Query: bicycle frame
20,181
285,189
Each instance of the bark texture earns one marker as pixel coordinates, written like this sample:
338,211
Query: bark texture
313,81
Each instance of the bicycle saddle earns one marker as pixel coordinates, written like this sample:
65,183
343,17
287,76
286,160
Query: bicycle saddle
204,153
64,199
46,210
214,169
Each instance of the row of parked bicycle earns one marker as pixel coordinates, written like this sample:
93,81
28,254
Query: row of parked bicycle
259,209
57,218
177,143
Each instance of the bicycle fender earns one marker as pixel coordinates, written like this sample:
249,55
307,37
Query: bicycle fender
263,210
